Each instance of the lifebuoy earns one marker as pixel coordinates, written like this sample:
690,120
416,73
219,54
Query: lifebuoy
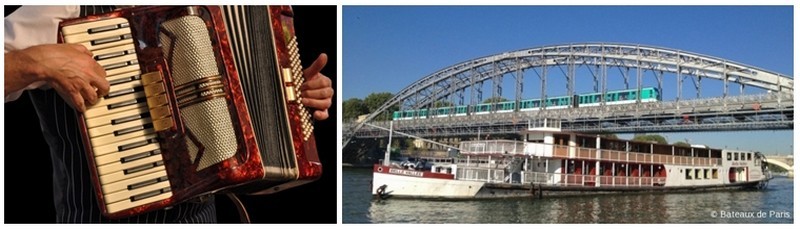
380,169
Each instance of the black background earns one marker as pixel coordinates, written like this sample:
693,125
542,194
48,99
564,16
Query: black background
28,174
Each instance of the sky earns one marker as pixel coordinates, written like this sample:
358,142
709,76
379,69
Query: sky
386,48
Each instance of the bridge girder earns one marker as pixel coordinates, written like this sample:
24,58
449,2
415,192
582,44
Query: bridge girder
438,85
452,81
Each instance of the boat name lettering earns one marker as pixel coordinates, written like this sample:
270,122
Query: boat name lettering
405,172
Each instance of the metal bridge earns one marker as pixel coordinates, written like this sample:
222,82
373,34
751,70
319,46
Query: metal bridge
463,83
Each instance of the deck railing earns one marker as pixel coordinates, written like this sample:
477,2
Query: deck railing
493,147
563,151
557,179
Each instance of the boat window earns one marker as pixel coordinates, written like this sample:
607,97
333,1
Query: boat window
736,156
749,156
714,174
705,173
697,174
688,174
729,155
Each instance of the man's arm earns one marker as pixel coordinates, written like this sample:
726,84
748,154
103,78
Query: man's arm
316,90
68,68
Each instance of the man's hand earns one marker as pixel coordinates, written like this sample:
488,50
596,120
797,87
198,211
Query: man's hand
67,68
317,91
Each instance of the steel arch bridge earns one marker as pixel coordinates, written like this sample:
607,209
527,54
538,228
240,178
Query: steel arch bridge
452,83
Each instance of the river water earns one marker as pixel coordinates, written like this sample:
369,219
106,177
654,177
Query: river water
773,205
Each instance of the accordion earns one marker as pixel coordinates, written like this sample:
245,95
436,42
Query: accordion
203,100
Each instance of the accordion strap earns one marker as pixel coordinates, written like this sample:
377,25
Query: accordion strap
243,216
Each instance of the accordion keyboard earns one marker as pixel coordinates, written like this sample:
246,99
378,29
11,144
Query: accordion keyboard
127,155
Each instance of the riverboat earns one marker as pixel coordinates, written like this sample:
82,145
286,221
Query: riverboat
546,161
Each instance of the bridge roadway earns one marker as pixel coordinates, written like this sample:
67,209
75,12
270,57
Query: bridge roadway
769,111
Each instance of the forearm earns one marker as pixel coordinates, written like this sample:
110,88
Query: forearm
20,71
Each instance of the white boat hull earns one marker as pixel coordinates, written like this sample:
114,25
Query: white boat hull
424,187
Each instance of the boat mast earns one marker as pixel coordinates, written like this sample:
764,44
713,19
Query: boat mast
389,145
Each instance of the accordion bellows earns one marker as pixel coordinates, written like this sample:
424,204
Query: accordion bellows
203,100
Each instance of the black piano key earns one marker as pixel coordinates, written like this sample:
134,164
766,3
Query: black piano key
150,194
136,145
126,103
113,55
123,80
132,129
142,167
120,93
146,183
130,118
111,39
108,28
140,156
120,65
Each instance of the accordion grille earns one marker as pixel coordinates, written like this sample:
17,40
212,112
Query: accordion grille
251,42
192,58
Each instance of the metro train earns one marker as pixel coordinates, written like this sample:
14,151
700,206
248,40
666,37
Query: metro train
627,96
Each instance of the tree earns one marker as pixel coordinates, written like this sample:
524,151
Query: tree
439,104
352,108
681,144
495,99
375,100
651,138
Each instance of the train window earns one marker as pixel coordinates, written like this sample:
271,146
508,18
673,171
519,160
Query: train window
729,155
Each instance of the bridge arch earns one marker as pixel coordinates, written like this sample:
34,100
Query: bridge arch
780,164
469,76
457,78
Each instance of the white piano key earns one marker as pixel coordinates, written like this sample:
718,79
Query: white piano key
123,185
124,59
103,141
83,28
127,194
120,175
118,114
97,132
106,149
126,204
123,98
98,38
129,48
117,156
96,111
118,166
112,74
125,86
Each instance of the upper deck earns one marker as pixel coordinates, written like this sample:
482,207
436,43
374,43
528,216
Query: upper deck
545,139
